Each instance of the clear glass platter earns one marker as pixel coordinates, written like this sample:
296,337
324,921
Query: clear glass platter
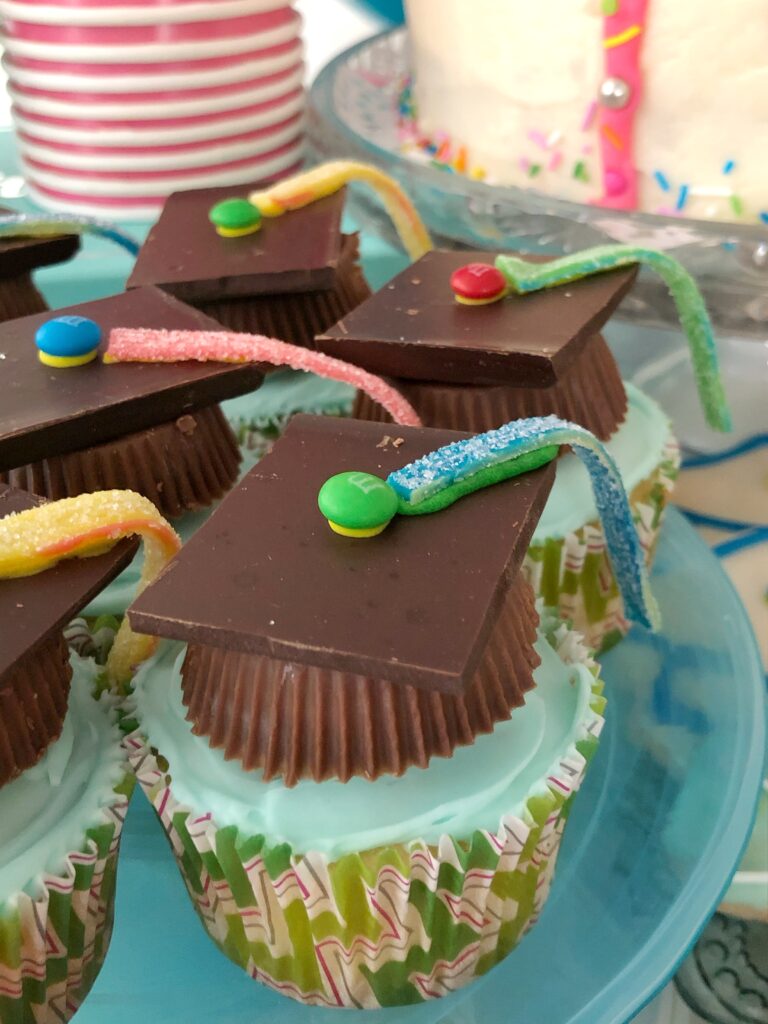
353,113
652,841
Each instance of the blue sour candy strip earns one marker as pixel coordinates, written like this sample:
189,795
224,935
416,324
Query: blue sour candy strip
27,225
446,466
524,277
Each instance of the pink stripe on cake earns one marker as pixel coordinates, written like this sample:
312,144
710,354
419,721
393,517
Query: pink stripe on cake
622,44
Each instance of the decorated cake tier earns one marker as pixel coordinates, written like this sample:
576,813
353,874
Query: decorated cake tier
598,103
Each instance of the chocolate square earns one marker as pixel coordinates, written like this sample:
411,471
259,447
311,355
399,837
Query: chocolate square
46,411
183,254
415,605
21,255
413,328
34,607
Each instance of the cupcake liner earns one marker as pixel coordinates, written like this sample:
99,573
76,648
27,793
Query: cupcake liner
593,375
186,464
574,574
383,927
53,946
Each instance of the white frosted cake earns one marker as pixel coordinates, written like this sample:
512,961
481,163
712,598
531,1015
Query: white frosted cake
659,105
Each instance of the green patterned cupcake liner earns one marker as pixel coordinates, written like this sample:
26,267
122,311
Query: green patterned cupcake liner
388,926
574,574
52,946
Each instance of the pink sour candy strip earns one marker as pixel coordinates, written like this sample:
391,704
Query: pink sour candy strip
146,345
623,33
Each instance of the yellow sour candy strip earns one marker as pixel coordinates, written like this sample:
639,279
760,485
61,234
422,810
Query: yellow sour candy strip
318,182
89,524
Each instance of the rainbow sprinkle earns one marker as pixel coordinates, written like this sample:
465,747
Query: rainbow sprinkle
737,205
589,116
682,197
622,37
612,136
580,171
662,181
729,166
763,216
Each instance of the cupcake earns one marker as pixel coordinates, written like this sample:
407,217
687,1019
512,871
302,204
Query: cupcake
70,423
64,781
473,341
19,256
363,742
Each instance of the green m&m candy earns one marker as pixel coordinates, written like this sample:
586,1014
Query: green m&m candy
357,504
235,217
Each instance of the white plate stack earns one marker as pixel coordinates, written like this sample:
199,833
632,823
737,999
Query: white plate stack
116,103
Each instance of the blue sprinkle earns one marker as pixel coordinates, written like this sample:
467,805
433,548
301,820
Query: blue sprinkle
728,166
439,469
764,216
663,181
682,197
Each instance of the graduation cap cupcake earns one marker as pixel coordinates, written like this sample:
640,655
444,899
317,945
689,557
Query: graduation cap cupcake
276,262
474,340
368,736
64,781
70,423
19,256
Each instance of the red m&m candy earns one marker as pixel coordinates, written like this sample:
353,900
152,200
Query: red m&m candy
478,283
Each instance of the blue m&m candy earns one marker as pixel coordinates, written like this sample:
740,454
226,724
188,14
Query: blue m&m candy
68,341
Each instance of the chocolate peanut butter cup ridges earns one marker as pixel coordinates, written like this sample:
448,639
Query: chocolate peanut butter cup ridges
33,705
186,464
301,722
593,397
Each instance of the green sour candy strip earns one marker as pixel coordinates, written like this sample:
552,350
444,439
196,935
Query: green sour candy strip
477,481
525,277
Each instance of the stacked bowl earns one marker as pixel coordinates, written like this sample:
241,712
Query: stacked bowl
116,103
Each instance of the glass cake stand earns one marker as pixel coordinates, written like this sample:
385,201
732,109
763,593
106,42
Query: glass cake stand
353,112
652,840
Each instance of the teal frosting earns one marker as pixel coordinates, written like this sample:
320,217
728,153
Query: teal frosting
45,812
471,790
636,447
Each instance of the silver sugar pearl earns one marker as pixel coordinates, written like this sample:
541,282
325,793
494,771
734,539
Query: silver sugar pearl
614,93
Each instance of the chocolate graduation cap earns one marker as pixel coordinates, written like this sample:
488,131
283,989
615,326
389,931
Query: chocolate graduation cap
34,668
312,653
475,366
290,279
154,429
18,258
316,655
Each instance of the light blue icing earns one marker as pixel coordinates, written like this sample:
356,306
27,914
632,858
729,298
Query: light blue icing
472,790
636,447
45,812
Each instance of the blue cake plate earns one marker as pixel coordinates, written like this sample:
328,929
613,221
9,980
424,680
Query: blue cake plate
652,841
